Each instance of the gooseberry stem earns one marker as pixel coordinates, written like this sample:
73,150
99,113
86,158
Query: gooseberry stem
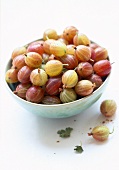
112,131
38,70
75,68
65,64
47,37
91,60
90,134
15,92
112,63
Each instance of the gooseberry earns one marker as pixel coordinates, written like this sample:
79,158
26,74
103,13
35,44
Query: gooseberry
53,85
24,74
69,33
95,79
58,48
94,45
84,69
35,94
83,53
69,79
45,58
68,95
18,51
102,67
51,100
21,90
50,34
11,75
46,45
19,61
70,60
108,107
38,77
100,133
92,54
53,68
63,40
100,54
81,39
33,59
71,49
36,46
84,87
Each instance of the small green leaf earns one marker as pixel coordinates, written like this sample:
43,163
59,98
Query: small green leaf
65,133
78,149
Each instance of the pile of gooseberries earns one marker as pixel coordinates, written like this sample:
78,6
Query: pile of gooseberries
58,68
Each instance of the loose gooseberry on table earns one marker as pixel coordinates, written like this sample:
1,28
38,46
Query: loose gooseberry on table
108,107
100,133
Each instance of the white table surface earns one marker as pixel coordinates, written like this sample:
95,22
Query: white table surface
29,142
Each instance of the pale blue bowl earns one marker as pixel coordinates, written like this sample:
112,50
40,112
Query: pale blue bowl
58,110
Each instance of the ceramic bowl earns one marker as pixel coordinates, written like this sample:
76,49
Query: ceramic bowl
58,110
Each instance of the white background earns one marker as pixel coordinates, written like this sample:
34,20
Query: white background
29,142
